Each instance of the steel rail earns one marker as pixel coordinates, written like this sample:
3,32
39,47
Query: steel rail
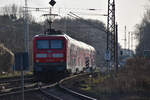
82,96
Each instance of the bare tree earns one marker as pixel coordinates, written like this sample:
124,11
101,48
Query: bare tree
13,11
142,33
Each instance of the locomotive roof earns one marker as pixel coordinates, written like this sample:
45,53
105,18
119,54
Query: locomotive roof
73,41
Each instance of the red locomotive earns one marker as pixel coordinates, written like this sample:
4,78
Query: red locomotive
59,53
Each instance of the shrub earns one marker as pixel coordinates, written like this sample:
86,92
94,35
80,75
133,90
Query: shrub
6,59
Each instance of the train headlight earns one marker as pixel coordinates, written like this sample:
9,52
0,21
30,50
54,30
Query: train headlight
41,55
37,61
57,55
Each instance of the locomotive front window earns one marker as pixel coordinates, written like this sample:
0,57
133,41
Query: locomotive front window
42,44
56,44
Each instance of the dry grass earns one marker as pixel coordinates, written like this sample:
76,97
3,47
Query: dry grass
133,78
130,83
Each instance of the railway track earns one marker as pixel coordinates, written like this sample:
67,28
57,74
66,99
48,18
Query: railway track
51,91
3,80
14,83
60,92
16,93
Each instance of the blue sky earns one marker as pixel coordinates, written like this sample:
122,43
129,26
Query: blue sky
128,12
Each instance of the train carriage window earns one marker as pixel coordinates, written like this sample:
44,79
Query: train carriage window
42,44
56,44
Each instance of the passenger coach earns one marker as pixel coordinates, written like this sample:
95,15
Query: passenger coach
54,54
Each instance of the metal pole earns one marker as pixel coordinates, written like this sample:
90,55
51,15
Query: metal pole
125,40
129,43
114,28
50,18
116,38
26,38
26,42
22,78
108,35
111,30
108,25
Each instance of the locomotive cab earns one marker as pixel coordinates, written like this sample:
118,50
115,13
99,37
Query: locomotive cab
49,55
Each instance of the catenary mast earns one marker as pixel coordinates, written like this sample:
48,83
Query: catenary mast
111,29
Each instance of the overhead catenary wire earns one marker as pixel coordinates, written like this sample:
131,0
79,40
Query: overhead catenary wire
87,22
90,14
